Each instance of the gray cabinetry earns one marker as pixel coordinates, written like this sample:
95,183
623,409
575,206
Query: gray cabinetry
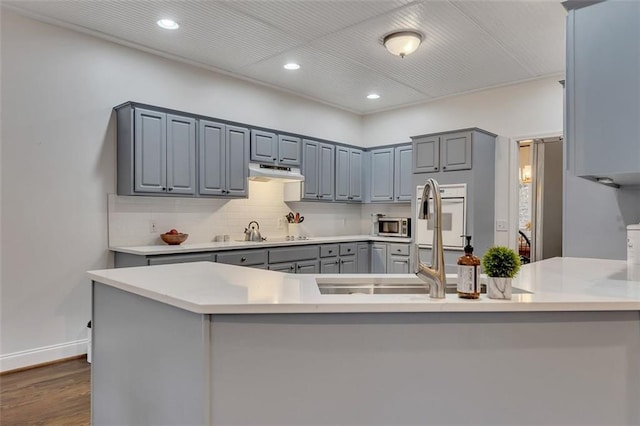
364,258
270,148
348,174
603,91
243,257
379,258
391,174
382,175
156,152
446,152
398,265
318,168
224,154
330,265
181,258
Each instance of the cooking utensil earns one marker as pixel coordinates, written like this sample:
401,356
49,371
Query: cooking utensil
297,218
301,219
290,217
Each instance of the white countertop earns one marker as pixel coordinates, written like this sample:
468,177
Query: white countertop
559,284
232,245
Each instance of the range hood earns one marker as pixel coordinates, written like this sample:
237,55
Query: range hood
263,173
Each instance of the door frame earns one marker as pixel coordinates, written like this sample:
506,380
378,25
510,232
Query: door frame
513,192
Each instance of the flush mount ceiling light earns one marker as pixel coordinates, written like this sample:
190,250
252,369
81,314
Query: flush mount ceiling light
292,66
402,43
168,24
373,96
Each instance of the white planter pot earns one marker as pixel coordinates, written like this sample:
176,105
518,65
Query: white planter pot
499,288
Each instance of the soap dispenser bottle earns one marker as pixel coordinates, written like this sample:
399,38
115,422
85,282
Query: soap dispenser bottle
468,273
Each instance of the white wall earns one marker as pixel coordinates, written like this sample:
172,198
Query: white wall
58,164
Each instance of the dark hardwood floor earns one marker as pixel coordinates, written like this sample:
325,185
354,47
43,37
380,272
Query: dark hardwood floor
55,394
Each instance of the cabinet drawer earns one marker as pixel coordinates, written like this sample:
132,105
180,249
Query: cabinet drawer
289,267
243,257
399,249
348,249
329,250
180,258
292,254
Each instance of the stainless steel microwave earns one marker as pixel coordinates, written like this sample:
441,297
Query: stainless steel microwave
394,227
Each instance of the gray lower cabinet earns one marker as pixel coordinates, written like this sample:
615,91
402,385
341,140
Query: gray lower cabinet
364,258
348,264
348,174
398,265
603,91
181,258
330,265
379,258
302,267
289,267
156,152
443,152
318,168
224,157
256,257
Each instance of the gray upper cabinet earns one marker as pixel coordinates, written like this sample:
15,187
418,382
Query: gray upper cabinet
289,151
403,177
455,151
391,174
156,152
224,157
603,91
348,174
426,158
270,148
318,168
446,152
382,175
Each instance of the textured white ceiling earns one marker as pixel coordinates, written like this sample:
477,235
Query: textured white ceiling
469,45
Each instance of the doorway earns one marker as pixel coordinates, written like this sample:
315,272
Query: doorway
540,198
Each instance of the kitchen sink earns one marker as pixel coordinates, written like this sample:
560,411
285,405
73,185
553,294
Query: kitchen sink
387,285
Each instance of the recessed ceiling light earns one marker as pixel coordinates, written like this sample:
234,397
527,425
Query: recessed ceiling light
373,96
168,24
291,66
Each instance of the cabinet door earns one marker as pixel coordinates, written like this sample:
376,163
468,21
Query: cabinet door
181,155
150,151
310,163
264,147
348,265
288,151
355,174
403,176
326,172
180,258
426,154
456,151
603,88
379,258
363,258
283,267
212,147
237,161
330,265
398,265
382,174
308,267
342,173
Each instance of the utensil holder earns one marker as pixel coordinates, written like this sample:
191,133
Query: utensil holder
294,230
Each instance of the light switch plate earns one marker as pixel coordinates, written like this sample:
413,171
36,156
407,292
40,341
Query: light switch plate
501,225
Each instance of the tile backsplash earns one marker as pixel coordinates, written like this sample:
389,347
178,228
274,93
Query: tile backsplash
131,217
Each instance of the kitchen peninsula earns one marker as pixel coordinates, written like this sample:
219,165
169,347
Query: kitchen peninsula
206,343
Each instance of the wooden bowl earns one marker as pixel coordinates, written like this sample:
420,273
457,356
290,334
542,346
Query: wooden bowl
174,239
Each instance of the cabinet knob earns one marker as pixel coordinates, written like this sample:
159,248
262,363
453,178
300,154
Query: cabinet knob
391,198
342,261
435,168
320,196
170,189
281,160
244,259
164,189
330,251
291,267
444,167
337,262
349,250
274,159
398,197
298,267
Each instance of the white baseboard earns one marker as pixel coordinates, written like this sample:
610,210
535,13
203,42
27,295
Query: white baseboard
41,355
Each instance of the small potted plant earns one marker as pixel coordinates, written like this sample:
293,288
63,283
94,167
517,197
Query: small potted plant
501,264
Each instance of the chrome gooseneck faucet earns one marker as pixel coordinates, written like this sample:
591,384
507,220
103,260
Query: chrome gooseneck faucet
434,274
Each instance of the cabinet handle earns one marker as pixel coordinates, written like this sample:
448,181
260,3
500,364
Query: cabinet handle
244,259
281,160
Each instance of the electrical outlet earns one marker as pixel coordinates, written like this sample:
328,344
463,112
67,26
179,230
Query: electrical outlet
280,223
501,225
152,227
